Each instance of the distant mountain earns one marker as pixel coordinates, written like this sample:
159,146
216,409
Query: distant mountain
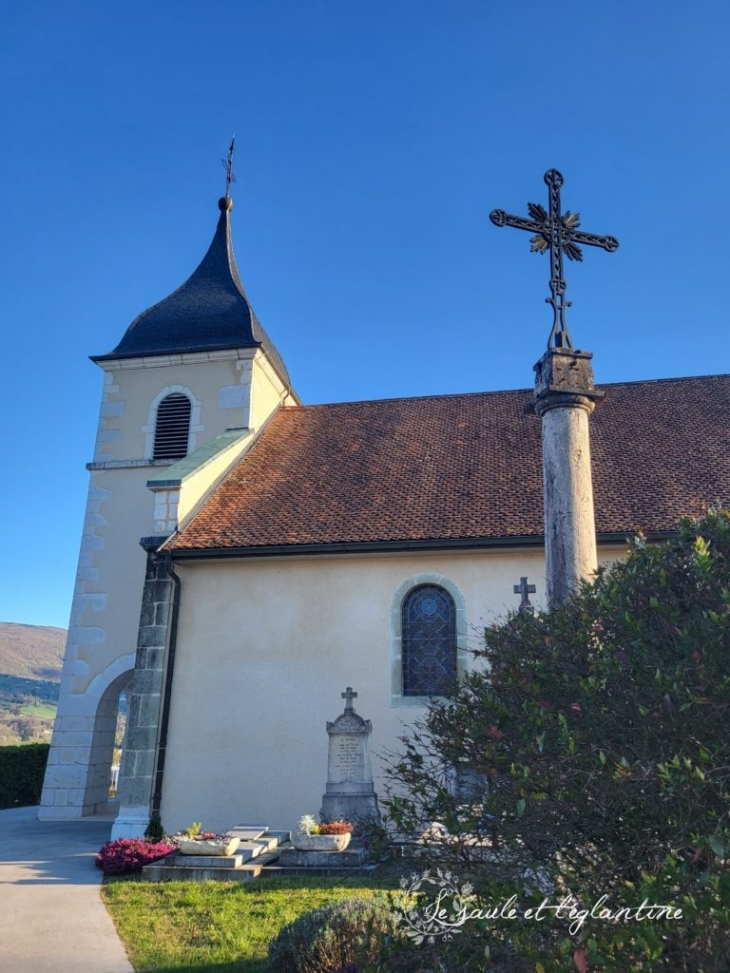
31,651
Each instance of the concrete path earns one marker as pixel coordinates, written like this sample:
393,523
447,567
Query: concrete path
52,919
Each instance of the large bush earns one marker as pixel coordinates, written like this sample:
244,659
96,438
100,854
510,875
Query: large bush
22,769
348,933
591,755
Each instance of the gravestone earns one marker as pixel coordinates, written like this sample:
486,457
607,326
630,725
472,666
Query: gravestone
350,792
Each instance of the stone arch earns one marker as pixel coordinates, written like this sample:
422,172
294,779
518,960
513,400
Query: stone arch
195,410
396,629
108,686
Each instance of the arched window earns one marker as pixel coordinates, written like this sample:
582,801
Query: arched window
172,427
429,641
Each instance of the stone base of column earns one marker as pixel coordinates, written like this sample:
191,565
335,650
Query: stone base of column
131,822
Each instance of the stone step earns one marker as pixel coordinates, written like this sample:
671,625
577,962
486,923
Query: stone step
276,870
171,873
244,865
249,850
352,857
287,860
248,832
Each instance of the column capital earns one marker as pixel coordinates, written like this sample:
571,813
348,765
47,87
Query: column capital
564,379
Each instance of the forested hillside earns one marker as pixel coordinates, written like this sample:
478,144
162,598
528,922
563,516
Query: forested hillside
30,672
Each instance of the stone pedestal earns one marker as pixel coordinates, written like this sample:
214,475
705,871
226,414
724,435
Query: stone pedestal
565,397
350,858
349,793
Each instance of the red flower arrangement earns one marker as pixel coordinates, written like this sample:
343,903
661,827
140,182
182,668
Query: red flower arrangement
336,827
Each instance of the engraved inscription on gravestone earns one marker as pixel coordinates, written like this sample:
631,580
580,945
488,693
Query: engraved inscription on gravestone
347,760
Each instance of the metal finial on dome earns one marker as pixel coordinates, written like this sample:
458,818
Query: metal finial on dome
225,203
228,165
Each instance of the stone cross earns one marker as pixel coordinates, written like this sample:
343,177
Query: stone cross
556,233
525,589
348,696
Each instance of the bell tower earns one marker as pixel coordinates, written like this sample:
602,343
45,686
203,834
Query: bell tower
185,390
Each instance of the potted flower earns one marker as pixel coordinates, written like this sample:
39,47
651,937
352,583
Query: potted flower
328,836
195,841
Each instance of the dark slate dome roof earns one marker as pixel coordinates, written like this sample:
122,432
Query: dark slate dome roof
209,311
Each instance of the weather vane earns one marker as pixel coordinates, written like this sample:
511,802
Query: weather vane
228,166
558,234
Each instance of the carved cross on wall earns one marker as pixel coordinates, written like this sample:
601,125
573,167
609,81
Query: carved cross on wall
558,234
348,696
525,589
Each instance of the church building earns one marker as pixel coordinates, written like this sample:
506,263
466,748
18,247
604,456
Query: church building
245,557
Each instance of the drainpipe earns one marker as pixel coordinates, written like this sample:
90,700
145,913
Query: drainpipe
167,689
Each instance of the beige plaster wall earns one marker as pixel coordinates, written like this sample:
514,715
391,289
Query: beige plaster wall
266,647
112,561
105,612
197,486
220,387
266,392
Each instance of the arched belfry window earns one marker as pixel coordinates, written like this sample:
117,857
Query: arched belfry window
428,641
172,427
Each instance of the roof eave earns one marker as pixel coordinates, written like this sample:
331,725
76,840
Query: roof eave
608,539
160,353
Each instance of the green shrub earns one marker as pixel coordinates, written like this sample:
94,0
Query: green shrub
326,940
155,831
596,742
21,774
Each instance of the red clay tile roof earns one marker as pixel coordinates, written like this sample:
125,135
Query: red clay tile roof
465,467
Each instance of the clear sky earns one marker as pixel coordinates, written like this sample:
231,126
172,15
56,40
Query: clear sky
373,140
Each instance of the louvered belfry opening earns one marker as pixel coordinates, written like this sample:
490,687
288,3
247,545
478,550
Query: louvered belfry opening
172,428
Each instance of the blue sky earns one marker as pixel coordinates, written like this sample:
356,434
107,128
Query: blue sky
373,139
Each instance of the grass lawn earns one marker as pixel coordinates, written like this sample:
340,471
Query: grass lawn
46,711
216,927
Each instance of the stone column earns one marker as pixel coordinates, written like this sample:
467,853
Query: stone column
565,397
137,773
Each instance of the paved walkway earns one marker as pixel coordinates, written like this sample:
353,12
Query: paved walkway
52,919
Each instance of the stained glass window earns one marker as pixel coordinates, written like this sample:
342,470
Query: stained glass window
429,641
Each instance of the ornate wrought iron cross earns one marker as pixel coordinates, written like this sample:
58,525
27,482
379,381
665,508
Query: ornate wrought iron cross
525,589
348,696
559,234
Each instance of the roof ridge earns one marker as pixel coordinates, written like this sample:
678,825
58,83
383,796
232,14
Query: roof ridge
489,392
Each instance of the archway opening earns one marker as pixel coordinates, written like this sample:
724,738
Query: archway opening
106,747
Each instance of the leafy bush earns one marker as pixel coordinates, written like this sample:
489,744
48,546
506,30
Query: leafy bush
328,940
131,854
22,769
595,743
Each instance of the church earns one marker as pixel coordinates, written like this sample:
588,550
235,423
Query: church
245,557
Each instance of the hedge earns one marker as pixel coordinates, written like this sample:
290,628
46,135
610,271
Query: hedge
21,774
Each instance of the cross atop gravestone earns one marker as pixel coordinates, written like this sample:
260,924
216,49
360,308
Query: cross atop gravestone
525,589
559,234
348,696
